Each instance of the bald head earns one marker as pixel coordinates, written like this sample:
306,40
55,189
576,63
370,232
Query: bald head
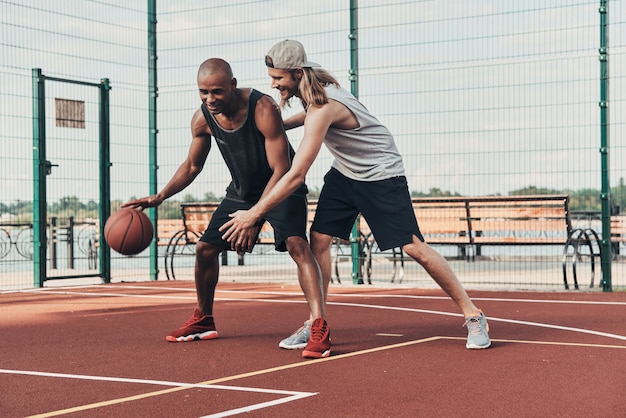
218,88
215,65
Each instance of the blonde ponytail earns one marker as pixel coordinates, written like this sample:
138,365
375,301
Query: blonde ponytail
312,85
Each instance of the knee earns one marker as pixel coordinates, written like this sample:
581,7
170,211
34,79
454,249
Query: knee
206,252
297,247
320,243
418,250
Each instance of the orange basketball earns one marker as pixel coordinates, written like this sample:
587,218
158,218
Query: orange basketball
128,231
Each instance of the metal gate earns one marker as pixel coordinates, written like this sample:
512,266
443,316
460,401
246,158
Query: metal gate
71,178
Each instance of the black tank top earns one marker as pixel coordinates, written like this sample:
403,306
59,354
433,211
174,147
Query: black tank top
243,150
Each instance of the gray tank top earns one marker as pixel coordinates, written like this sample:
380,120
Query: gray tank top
367,153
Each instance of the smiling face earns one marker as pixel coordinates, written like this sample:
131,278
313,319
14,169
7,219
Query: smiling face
286,82
216,90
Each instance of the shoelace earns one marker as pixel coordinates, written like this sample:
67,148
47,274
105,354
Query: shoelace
194,318
473,325
317,334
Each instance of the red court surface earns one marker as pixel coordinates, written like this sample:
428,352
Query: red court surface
100,351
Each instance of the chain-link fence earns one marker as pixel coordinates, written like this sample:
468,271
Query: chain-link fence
483,98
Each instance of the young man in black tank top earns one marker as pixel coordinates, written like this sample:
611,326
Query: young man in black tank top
248,129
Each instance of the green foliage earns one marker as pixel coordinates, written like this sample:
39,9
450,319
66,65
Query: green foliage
618,195
587,200
22,210
533,190
434,192
170,209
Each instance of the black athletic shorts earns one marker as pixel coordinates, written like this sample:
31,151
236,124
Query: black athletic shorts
385,205
287,219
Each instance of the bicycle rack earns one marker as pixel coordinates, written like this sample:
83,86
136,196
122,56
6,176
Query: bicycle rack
578,238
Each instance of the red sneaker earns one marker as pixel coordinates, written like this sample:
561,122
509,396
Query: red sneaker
319,341
198,327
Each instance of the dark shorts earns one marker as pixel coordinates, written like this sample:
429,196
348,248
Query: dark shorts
287,219
385,205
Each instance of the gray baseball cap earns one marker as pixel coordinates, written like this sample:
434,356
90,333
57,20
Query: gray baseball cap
288,55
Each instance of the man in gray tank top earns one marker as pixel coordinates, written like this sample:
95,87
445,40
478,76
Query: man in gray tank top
248,130
367,176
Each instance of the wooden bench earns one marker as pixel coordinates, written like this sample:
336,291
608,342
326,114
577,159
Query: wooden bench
181,235
520,220
442,221
494,220
470,223
618,232
166,229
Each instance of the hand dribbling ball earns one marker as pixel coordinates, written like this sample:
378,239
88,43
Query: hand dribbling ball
128,231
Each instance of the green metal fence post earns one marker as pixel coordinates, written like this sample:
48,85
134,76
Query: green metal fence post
105,178
605,194
152,115
357,276
39,178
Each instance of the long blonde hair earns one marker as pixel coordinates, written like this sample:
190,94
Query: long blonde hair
312,85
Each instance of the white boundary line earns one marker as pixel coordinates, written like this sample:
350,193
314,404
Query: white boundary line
153,382
292,395
62,290
71,289
370,306
254,407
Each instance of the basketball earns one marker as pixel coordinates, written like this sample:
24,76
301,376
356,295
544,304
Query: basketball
128,231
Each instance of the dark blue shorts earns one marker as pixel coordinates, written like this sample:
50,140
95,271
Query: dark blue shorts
287,219
385,205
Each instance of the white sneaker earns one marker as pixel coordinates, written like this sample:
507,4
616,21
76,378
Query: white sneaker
297,340
477,332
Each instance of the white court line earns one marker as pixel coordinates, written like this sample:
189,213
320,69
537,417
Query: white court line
254,407
152,382
368,306
256,292
490,318
292,395
125,295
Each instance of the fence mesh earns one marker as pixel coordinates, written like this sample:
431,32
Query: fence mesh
483,98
